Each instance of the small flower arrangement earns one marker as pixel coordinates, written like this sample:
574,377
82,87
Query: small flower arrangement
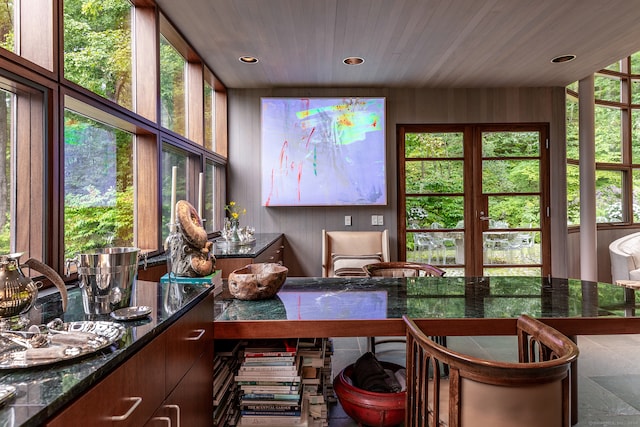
234,211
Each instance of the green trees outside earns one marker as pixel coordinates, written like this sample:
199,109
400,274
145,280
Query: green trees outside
97,47
434,180
609,148
98,169
98,177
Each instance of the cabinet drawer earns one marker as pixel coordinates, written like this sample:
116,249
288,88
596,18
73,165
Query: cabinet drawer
190,403
187,339
273,253
127,397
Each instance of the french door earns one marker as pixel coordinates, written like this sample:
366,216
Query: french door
474,199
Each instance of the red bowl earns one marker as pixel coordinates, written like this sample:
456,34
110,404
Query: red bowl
368,407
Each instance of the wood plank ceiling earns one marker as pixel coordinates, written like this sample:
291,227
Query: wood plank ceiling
406,43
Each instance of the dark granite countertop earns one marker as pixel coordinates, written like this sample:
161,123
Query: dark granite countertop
43,391
384,298
222,250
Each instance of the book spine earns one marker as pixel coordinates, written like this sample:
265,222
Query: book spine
269,354
275,358
271,396
269,407
289,379
252,389
271,413
268,370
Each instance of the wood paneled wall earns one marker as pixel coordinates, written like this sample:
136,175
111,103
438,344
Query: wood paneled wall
303,226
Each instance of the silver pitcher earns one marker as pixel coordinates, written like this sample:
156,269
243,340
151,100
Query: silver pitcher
18,292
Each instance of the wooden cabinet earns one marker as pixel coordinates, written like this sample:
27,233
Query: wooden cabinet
272,253
173,374
189,404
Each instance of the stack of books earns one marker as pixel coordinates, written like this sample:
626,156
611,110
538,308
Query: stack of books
225,398
315,355
270,385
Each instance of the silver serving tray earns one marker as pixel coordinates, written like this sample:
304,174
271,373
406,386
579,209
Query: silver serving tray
131,313
73,341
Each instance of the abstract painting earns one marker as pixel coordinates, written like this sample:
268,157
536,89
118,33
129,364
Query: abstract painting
323,151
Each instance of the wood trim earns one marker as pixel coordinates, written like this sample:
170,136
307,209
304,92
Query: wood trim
147,193
195,102
221,140
38,32
147,65
395,327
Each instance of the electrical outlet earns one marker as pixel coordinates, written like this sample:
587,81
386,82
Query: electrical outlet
347,220
374,219
380,220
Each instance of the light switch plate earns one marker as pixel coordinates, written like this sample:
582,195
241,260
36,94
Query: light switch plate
380,219
374,219
347,220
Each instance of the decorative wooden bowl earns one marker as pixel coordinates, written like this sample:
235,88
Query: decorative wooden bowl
257,281
367,407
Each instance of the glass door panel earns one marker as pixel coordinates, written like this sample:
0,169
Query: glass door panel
511,208
473,198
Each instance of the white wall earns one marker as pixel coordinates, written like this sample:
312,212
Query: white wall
302,226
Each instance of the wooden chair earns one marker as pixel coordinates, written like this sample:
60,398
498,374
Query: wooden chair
401,269
532,392
345,252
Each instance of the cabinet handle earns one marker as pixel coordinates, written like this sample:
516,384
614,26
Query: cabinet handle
167,419
200,334
136,401
177,408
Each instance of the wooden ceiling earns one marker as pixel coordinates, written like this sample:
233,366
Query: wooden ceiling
406,43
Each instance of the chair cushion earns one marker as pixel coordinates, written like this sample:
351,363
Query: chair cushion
500,406
351,265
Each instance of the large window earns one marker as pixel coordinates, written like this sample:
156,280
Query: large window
98,185
172,87
617,144
97,48
22,190
87,154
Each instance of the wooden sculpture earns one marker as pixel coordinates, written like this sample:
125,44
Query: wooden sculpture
188,247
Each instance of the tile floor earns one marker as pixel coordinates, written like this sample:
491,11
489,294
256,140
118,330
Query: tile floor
608,373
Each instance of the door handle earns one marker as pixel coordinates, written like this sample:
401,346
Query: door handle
177,409
483,217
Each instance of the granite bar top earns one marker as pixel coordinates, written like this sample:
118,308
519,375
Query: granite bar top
43,391
382,298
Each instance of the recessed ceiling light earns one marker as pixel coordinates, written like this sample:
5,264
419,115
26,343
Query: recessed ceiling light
353,60
563,58
248,59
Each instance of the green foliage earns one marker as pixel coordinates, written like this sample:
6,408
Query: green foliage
7,32
90,222
99,187
97,47
430,171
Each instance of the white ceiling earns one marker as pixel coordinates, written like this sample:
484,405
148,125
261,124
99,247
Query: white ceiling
406,43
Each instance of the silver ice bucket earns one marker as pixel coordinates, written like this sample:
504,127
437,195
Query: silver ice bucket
107,278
